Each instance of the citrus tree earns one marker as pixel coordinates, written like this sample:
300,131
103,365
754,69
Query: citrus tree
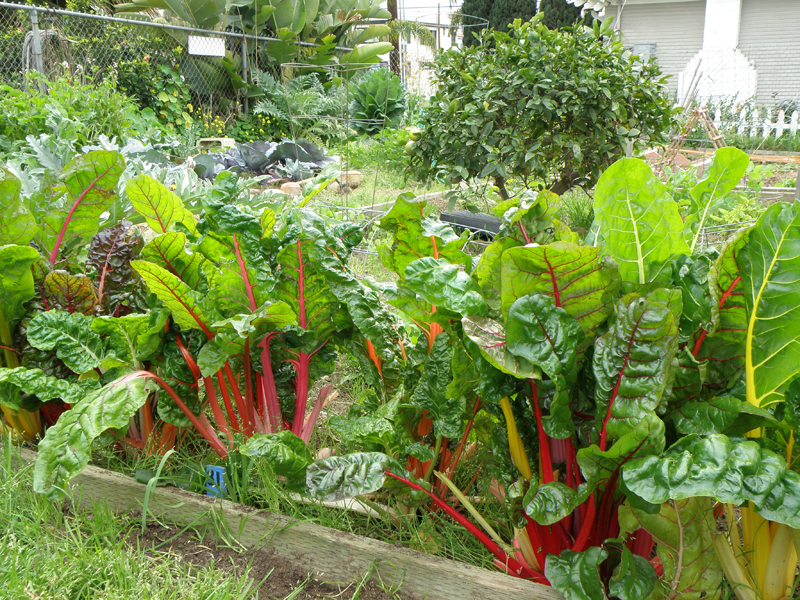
553,106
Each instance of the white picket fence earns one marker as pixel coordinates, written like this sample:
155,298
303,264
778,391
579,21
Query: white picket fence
750,121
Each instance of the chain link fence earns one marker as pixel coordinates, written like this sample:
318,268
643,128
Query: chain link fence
162,67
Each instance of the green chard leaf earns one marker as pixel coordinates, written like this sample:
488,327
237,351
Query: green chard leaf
86,190
17,225
576,574
770,270
414,235
683,530
724,174
16,280
175,294
721,347
445,286
575,278
340,477
169,252
160,207
632,362
639,220
44,387
547,336
286,454
431,391
71,336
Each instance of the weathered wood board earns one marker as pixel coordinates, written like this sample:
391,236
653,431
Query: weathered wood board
319,549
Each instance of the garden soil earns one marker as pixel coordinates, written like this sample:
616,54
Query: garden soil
286,575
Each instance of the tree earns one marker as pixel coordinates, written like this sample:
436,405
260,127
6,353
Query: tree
474,17
504,12
555,107
560,13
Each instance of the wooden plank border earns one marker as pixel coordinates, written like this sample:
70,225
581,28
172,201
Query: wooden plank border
319,549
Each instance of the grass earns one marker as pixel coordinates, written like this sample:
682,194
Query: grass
52,553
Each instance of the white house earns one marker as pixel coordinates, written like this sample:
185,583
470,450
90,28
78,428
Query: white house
744,48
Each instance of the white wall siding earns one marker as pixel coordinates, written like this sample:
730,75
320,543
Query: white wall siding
770,36
676,29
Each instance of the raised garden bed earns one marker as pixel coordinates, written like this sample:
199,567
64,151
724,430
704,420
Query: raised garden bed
339,555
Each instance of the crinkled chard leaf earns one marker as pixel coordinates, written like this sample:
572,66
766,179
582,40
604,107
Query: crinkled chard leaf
446,286
549,503
722,414
286,454
67,446
431,391
111,253
414,235
490,337
632,361
721,347
340,477
634,577
717,467
71,336
14,382
576,574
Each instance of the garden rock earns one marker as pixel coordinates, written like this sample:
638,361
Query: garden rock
350,180
292,187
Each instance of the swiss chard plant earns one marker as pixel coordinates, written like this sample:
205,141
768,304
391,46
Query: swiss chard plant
59,257
632,368
247,311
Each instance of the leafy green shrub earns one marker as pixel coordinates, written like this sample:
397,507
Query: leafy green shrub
558,106
172,97
379,101
94,109
250,128
300,105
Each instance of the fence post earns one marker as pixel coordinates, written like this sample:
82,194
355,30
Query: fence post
797,185
37,48
244,75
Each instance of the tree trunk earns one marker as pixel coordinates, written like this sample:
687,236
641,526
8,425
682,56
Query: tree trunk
566,182
500,182
394,55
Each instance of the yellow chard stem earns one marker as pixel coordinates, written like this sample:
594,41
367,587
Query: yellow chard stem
734,572
782,558
525,546
26,424
515,442
762,544
474,512
733,530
